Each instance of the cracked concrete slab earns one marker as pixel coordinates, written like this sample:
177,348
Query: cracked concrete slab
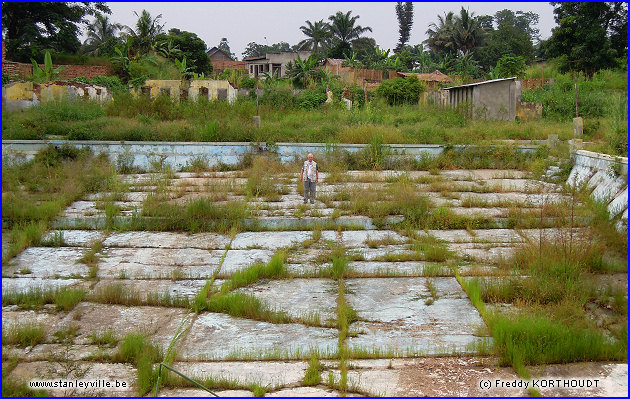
47,262
269,374
75,238
159,323
269,239
148,239
398,317
25,284
299,297
92,371
179,288
239,259
215,336
148,263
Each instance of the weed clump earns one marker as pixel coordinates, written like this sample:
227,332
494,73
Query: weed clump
23,335
313,373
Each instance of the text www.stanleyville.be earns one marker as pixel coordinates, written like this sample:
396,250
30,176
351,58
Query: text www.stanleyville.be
540,383
77,384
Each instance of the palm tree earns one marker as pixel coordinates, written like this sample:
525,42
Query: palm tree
343,29
99,32
147,28
441,34
318,34
468,33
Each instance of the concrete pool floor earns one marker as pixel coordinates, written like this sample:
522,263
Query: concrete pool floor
424,340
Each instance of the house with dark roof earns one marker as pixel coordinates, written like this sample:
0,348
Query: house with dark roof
273,64
221,60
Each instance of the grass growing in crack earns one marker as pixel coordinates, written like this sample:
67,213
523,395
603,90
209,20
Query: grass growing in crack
55,240
66,334
248,306
274,268
258,390
35,298
346,315
432,249
387,240
317,235
432,291
23,335
116,294
201,214
106,339
90,259
137,349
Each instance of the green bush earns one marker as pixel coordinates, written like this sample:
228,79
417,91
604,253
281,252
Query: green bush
311,98
401,91
248,83
281,97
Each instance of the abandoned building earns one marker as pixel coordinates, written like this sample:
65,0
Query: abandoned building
21,95
492,99
273,64
194,90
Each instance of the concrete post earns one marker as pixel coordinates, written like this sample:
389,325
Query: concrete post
552,140
578,126
256,120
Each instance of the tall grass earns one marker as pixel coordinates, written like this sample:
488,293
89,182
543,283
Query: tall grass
531,339
23,335
247,306
37,191
241,278
138,350
133,119
196,215
35,298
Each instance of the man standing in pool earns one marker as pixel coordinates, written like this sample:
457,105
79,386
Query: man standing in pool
310,180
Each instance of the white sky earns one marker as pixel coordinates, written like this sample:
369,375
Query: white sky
242,23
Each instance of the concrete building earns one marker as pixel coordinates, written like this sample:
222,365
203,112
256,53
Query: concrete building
274,64
195,89
21,95
491,99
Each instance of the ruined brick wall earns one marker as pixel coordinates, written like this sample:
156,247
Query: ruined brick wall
220,66
70,72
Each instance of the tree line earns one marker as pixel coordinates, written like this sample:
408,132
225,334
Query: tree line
588,37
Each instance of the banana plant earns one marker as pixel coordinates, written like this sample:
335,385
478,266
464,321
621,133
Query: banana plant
185,71
47,74
122,56
168,50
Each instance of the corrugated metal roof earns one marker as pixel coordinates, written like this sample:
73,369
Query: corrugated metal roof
479,83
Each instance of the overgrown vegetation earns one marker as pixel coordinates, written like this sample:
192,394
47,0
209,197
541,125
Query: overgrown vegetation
555,302
159,119
35,192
